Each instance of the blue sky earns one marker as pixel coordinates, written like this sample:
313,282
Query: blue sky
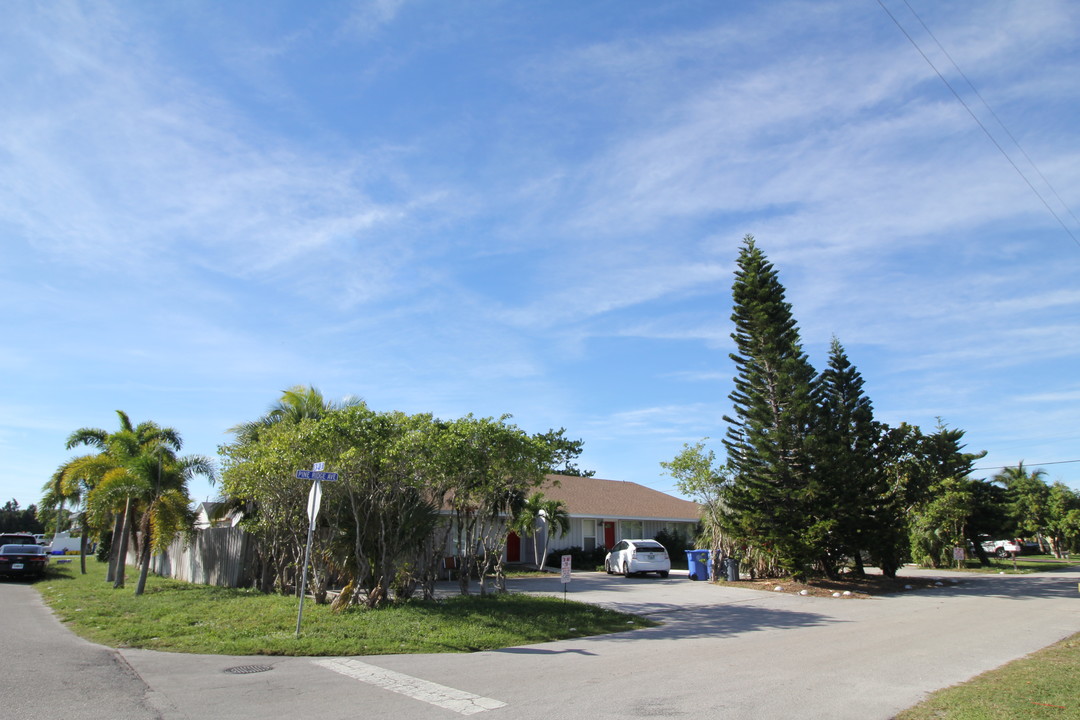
532,208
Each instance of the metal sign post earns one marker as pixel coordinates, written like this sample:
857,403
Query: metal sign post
313,503
566,560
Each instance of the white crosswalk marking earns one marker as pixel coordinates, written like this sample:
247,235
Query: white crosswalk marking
445,697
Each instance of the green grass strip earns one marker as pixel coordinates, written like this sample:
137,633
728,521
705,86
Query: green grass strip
181,617
1045,684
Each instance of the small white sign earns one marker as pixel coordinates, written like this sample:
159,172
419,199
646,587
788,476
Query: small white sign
566,568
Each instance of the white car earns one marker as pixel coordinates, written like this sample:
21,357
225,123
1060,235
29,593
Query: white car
1001,548
630,557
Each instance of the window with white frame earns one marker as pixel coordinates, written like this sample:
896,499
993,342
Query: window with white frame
588,534
631,529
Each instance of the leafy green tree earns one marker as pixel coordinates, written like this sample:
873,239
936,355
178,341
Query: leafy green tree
945,518
14,518
699,477
775,400
258,475
988,519
1028,498
941,524
489,465
387,515
1062,519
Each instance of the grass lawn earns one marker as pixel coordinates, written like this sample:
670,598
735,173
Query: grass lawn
1024,564
1045,684
180,617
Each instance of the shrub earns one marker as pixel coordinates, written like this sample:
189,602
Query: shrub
677,544
579,559
104,546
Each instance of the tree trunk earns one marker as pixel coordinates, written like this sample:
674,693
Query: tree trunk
1055,545
1043,545
82,549
121,555
144,556
114,546
858,570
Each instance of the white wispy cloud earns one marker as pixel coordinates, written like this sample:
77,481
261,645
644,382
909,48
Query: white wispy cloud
141,163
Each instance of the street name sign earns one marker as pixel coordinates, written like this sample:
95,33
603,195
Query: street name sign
316,475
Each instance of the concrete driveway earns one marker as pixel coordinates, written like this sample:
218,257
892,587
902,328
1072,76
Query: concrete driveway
721,652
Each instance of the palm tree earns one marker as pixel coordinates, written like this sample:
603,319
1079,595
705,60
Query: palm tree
165,499
550,514
300,402
118,485
71,483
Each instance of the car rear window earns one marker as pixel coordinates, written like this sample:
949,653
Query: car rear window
22,549
650,547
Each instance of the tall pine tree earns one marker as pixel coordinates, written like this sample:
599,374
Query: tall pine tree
851,482
775,401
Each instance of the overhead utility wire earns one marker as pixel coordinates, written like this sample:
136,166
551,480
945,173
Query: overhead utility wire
1005,467
979,123
994,115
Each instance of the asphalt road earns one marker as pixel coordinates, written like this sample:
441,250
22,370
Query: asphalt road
724,653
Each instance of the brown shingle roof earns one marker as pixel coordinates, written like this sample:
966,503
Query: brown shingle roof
616,499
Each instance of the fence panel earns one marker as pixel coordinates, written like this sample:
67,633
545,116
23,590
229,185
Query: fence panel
216,556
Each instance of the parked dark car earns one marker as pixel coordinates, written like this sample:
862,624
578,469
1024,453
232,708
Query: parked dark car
23,560
18,538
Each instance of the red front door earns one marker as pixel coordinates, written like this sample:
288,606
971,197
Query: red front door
513,548
609,535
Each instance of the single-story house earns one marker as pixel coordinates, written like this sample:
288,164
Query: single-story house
603,512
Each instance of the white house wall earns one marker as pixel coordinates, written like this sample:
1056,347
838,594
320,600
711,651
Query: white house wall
576,536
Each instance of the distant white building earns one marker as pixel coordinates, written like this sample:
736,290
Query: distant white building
209,515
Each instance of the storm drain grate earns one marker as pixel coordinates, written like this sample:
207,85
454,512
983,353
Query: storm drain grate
248,669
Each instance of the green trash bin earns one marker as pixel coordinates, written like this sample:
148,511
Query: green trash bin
697,562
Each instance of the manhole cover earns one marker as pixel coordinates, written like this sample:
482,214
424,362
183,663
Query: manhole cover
248,669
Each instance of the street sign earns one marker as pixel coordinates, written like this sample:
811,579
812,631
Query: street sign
314,500
566,559
316,475
318,466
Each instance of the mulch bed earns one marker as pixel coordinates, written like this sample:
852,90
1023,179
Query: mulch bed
865,587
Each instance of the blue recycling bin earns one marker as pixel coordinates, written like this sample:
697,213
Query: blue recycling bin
697,562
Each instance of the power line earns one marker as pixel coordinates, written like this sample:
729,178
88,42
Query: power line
978,121
1006,467
994,115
